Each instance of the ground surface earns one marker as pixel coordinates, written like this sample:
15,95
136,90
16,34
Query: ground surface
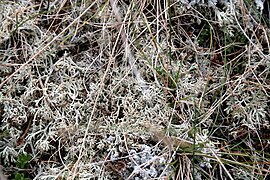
134,89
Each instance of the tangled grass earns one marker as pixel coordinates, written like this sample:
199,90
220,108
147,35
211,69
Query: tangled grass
134,89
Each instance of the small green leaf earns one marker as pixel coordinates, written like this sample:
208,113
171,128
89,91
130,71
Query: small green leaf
23,160
19,176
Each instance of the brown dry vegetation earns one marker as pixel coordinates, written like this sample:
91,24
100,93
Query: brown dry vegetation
134,89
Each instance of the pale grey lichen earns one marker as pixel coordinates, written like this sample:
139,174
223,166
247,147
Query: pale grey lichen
88,104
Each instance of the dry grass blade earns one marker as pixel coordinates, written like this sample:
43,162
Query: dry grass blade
131,59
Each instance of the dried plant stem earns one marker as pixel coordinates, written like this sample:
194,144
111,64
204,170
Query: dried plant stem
129,54
111,59
82,148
